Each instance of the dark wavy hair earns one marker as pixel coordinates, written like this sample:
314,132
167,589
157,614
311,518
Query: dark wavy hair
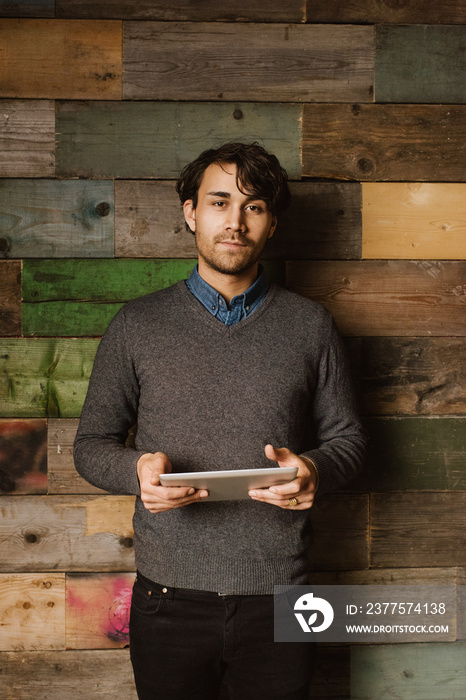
258,173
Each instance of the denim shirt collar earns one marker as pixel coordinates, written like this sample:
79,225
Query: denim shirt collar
239,307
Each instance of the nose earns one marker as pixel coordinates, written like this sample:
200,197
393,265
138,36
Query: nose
234,220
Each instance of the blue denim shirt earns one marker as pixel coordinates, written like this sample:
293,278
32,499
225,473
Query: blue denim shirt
239,307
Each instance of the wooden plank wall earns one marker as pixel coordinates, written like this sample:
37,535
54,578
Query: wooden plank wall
101,104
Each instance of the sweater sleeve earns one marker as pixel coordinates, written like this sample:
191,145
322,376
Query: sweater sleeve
109,411
341,441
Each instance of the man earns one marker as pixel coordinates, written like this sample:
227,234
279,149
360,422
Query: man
222,371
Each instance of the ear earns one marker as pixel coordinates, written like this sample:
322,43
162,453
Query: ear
273,226
190,214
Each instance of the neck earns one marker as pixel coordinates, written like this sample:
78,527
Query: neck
228,286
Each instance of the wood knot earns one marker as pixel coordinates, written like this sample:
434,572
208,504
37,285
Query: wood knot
103,209
126,542
365,165
237,114
31,538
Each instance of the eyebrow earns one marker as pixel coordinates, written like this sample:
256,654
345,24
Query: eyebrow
227,195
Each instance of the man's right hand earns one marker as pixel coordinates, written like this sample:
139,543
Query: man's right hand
157,498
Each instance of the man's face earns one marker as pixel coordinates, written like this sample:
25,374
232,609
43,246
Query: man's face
231,226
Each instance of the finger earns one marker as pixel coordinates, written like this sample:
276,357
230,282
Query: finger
304,502
160,465
155,503
280,454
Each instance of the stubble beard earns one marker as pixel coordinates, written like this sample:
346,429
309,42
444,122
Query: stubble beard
229,263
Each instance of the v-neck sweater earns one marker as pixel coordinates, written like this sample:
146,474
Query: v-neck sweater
211,396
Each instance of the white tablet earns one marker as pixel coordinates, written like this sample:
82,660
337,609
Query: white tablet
233,484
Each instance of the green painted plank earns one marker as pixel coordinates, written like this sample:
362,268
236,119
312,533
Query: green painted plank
420,63
56,218
41,378
68,318
156,139
80,297
27,8
416,454
408,671
99,280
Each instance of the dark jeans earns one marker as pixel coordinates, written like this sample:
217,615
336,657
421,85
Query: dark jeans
185,644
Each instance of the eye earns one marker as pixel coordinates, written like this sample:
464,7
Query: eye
256,208
218,204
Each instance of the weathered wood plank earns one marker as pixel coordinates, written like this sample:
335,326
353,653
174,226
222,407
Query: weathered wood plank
10,298
416,454
27,138
420,63
67,533
56,219
418,529
32,612
55,58
97,610
383,577
414,671
331,678
23,456
340,523
27,8
282,63
222,10
379,298
419,376
40,378
156,139
323,222
384,142
376,12
62,475
80,297
426,221
67,675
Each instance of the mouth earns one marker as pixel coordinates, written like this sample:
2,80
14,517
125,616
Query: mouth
233,244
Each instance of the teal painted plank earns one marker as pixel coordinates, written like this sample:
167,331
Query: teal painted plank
42,378
156,139
421,64
416,453
56,219
80,297
409,671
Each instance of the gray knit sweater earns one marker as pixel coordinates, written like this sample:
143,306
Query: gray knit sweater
212,396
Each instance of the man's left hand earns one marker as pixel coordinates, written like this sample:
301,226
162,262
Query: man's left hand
302,489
